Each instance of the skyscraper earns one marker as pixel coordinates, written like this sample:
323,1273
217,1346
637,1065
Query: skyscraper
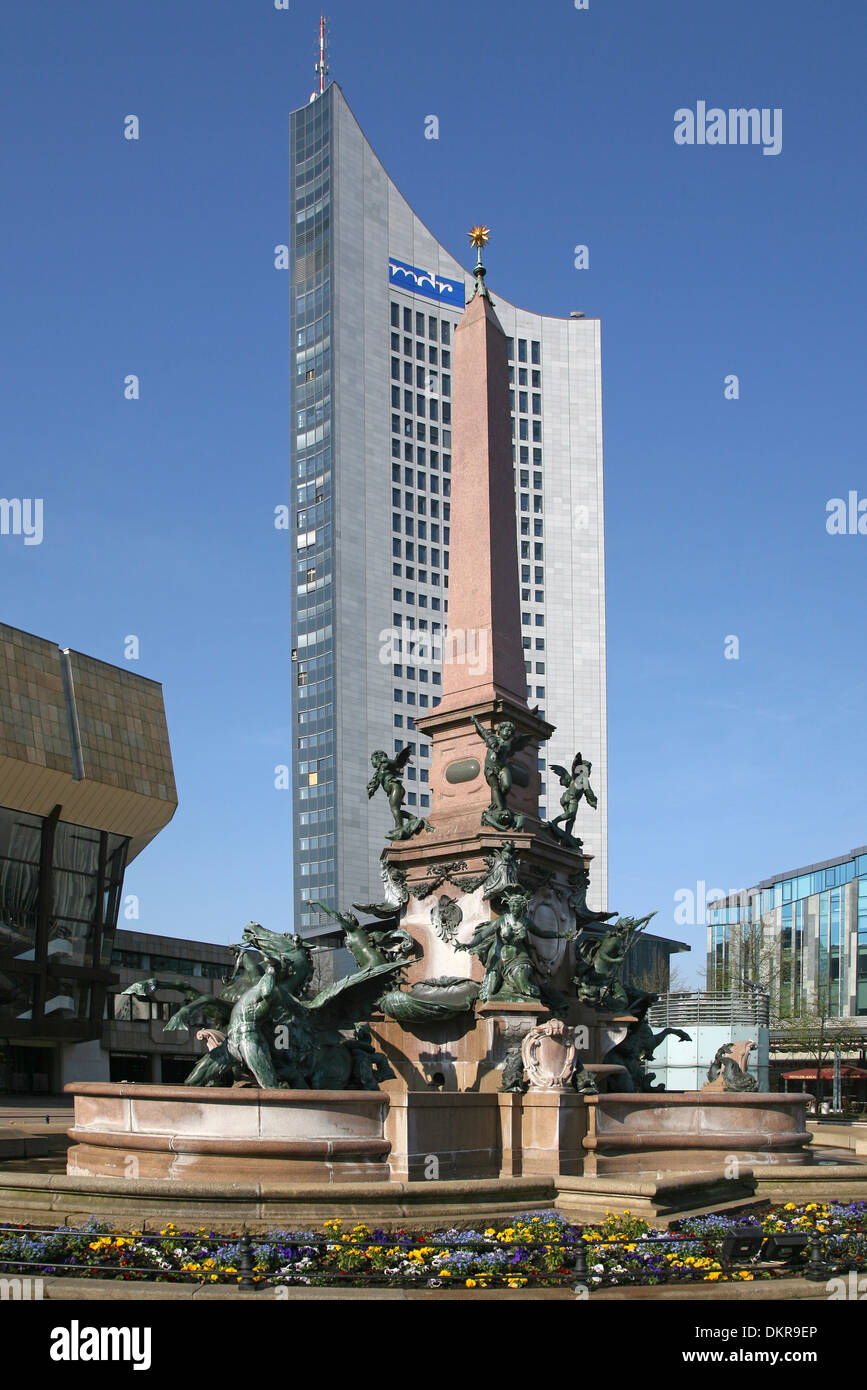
374,301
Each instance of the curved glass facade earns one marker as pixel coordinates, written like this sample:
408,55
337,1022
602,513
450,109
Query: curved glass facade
806,931
375,299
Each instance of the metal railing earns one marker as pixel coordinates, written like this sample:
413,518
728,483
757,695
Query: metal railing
720,1008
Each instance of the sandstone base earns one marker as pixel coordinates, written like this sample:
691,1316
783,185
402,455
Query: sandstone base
677,1131
238,1135
229,1134
148,1205
486,1134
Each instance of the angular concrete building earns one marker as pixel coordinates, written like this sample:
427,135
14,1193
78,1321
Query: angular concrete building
86,782
374,302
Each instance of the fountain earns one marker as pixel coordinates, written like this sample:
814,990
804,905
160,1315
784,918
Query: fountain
486,1052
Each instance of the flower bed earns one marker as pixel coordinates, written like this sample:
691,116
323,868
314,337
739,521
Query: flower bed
536,1250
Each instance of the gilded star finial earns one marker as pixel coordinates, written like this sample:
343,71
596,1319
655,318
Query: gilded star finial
479,236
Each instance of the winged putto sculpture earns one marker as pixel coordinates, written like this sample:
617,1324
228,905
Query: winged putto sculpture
270,1034
388,774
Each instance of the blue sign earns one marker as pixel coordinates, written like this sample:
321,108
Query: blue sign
425,282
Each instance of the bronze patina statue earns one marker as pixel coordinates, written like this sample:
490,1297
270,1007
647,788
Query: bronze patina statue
514,1078
599,960
203,1008
502,744
502,870
431,1001
638,1047
245,1040
372,945
579,886
387,774
503,947
395,892
275,1038
577,784
292,951
369,1067
728,1070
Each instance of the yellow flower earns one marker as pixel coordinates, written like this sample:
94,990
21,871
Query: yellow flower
713,1276
470,1283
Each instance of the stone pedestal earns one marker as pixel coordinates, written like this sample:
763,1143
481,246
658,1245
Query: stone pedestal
465,1053
543,1133
484,1135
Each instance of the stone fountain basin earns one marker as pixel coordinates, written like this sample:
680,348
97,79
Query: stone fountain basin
198,1134
694,1130
237,1134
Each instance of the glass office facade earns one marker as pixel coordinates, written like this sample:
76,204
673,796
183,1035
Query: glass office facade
313,645
805,932
371,459
60,887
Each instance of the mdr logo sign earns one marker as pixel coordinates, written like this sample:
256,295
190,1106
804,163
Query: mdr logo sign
425,282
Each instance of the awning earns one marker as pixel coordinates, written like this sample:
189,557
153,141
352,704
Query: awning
826,1073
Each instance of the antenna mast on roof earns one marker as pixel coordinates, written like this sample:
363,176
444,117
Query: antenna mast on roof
321,67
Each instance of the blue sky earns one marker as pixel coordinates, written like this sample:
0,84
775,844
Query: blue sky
556,128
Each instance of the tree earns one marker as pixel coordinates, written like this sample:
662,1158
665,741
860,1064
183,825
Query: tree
818,1032
655,977
758,958
760,954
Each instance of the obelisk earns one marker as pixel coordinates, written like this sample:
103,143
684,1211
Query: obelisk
483,673
447,863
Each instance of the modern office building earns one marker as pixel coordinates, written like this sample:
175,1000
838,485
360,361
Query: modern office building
803,933
374,302
86,782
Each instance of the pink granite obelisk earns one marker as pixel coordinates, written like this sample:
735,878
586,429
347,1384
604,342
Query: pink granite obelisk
483,679
483,579
483,660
